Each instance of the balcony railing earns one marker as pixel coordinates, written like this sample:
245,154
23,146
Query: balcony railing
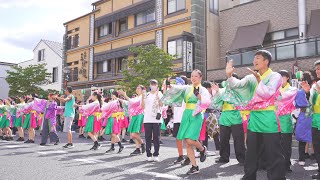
283,51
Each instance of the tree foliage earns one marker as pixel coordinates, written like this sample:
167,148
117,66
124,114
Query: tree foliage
150,62
24,81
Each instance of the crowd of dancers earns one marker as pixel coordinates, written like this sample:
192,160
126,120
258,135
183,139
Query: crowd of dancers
256,110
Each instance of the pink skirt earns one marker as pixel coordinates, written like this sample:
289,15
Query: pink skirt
104,122
116,129
82,121
202,136
245,124
33,120
124,123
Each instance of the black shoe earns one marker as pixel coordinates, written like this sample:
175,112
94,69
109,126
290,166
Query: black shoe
222,161
131,141
20,139
306,155
136,152
203,154
81,136
110,150
56,143
124,140
160,142
31,141
179,160
94,147
98,146
186,162
27,141
315,176
68,145
289,170
42,144
121,149
143,148
7,138
193,170
1,137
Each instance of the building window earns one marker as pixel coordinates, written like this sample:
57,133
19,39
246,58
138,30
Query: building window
176,5
76,41
175,48
122,64
281,35
77,29
41,55
54,75
123,25
75,74
104,66
76,62
214,6
105,30
145,17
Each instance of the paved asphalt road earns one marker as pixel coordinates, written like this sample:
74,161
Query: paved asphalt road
31,161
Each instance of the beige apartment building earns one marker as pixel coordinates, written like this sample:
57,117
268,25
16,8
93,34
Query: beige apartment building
96,44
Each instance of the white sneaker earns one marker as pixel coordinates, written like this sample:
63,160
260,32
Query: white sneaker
156,159
149,159
301,163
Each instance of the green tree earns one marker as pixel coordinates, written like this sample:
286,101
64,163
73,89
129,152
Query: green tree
24,81
150,62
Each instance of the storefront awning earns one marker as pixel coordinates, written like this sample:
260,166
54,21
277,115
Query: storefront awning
314,26
250,36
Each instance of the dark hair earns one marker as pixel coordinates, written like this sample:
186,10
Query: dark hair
206,84
235,76
115,93
69,89
185,79
99,98
307,77
35,95
265,54
106,100
314,74
284,73
198,71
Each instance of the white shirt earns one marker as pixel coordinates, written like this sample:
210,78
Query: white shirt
178,112
149,115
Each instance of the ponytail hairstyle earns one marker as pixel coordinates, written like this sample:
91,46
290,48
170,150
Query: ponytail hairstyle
99,97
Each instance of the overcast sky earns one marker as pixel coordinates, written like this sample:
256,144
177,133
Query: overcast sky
23,23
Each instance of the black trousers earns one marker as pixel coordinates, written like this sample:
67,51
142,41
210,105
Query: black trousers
272,150
216,141
238,138
47,132
302,151
286,142
316,145
152,132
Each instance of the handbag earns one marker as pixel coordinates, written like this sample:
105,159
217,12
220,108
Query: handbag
158,117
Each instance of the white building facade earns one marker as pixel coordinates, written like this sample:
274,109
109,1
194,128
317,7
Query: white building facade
48,52
4,86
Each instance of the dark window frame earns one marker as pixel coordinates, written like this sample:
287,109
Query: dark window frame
41,55
109,30
126,24
55,74
216,12
268,37
145,18
176,7
176,39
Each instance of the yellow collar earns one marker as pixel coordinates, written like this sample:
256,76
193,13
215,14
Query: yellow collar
282,89
264,75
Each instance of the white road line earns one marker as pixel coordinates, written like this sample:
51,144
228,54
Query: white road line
52,152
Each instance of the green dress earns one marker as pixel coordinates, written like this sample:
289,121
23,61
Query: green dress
192,117
136,123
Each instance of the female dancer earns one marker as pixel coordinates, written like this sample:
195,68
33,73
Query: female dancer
92,110
113,124
197,99
30,121
136,113
20,118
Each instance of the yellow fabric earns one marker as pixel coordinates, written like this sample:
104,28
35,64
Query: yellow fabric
316,109
269,108
282,89
227,107
245,114
265,74
33,111
191,106
5,113
41,115
118,115
98,115
80,116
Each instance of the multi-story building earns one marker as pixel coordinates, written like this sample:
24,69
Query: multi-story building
96,44
4,86
289,29
48,52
